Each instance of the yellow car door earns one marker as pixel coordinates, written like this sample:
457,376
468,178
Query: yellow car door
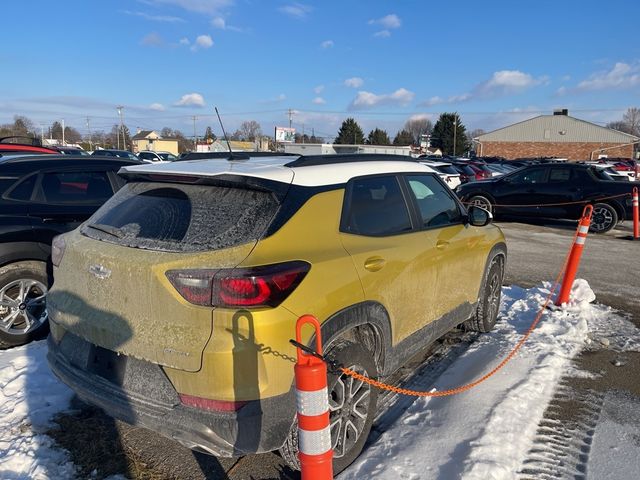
397,263
463,251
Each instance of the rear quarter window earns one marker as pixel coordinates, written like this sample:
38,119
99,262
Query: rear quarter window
183,218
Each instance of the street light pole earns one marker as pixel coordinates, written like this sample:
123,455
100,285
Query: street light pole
455,131
195,139
63,132
124,140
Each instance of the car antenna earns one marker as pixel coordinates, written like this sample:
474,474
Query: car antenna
231,156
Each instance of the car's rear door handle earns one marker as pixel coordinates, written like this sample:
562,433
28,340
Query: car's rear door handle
373,264
442,244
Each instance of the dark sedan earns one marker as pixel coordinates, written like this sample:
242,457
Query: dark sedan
40,197
554,190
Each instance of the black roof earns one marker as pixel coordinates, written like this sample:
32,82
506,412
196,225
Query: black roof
313,160
25,164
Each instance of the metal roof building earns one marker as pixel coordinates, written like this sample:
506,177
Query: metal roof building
557,135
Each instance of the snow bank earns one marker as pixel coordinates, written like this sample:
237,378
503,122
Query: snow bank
486,432
29,397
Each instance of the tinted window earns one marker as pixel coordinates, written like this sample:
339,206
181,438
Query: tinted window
557,175
437,206
76,187
24,189
187,218
377,207
534,175
447,169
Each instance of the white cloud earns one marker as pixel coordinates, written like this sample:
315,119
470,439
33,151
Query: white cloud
158,107
204,41
296,10
327,44
184,41
318,101
502,82
152,40
364,100
354,82
621,76
154,18
382,34
219,22
199,6
318,90
388,21
190,100
506,81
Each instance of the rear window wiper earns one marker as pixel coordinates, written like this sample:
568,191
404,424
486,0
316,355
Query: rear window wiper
108,229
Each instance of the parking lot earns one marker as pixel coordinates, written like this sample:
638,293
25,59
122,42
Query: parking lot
610,265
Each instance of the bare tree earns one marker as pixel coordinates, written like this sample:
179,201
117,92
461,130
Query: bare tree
250,130
632,120
417,127
618,125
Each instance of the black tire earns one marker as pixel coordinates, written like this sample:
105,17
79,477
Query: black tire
346,447
604,218
489,303
481,201
23,318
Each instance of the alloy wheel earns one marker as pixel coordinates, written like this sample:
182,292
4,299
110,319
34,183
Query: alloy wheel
22,306
601,219
493,296
348,406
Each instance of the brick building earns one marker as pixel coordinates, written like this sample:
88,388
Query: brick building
557,135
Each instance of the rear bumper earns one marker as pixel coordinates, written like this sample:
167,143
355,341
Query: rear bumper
142,395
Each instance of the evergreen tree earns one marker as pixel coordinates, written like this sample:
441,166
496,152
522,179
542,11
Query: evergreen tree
378,137
350,133
209,136
445,130
403,138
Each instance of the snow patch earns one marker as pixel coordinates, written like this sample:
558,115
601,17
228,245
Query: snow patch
29,397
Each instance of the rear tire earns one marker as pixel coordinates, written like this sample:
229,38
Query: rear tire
489,303
604,218
23,315
482,202
352,407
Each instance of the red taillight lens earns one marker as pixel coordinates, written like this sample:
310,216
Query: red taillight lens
264,286
57,249
212,405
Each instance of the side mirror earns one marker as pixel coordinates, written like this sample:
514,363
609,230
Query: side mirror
479,217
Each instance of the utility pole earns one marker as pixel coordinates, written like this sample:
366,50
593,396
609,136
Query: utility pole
195,139
124,140
89,129
290,117
303,133
63,133
455,132
41,134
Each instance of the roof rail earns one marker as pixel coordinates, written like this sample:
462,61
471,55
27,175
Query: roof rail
232,156
313,160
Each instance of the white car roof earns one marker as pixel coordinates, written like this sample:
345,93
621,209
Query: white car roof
274,168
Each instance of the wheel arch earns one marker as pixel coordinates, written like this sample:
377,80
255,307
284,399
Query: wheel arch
367,322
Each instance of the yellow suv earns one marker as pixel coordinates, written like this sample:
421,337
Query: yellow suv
173,305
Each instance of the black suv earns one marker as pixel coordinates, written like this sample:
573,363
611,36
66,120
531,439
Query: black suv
41,197
554,190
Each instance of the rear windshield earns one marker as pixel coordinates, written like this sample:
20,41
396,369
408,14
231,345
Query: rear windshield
182,218
447,169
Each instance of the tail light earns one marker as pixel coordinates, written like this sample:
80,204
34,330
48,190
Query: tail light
264,286
57,249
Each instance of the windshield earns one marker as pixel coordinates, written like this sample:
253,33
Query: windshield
182,218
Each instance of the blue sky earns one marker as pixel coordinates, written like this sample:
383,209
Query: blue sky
494,62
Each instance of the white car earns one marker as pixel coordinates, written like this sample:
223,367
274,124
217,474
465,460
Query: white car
150,156
446,172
